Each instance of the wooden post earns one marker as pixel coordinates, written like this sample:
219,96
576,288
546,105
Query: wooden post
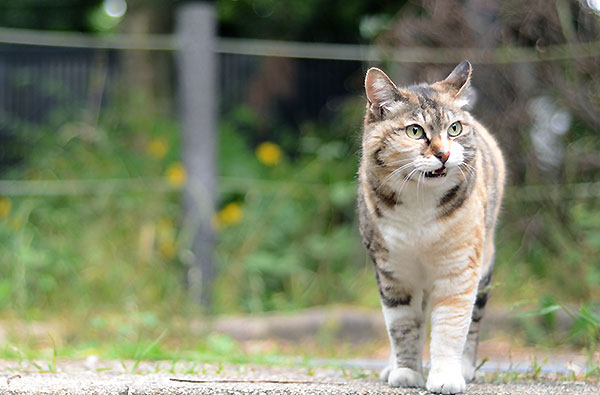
197,101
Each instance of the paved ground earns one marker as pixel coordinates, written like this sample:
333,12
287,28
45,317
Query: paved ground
505,373
114,378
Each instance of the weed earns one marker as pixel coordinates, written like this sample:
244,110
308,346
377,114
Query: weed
52,363
483,361
21,355
37,366
585,331
142,355
593,371
345,372
573,376
192,369
173,363
360,374
536,368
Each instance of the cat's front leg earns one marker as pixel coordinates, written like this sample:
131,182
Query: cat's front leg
452,306
404,319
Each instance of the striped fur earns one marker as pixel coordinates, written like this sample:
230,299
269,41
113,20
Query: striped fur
429,228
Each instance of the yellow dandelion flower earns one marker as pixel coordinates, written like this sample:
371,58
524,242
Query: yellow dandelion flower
168,250
167,245
158,147
269,154
5,206
165,225
231,214
176,174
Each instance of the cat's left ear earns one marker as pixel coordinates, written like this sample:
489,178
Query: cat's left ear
458,84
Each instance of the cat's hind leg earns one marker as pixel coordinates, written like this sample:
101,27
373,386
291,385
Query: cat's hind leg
469,358
404,319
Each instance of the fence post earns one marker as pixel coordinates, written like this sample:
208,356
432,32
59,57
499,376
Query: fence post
197,101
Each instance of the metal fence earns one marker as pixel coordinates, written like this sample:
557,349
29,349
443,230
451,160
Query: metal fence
34,81
42,71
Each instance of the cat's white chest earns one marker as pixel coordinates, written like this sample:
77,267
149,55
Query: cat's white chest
409,228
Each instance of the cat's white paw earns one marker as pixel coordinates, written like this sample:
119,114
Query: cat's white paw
405,377
468,370
385,373
446,382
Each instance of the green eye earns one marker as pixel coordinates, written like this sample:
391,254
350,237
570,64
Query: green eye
415,132
455,129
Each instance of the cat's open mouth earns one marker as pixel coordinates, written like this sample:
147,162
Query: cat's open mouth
441,172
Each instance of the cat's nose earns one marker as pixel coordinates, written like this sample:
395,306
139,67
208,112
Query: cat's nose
443,156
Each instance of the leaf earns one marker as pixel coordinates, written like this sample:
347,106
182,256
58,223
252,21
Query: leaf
542,311
589,316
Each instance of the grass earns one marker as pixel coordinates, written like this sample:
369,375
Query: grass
535,374
236,368
144,354
175,351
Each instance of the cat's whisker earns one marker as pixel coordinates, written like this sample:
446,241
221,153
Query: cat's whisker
405,180
472,171
418,182
463,174
469,166
421,177
467,176
394,163
393,174
462,166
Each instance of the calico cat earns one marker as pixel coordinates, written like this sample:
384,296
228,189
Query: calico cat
430,183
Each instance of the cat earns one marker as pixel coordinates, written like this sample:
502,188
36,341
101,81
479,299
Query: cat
431,179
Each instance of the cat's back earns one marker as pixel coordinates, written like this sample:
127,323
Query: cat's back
493,173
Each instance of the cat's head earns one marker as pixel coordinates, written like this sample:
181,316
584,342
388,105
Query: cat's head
419,133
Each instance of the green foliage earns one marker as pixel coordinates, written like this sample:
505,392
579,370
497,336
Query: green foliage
586,331
69,252
47,14
306,20
297,243
540,327
548,242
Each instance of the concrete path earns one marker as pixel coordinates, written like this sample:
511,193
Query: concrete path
115,378
500,375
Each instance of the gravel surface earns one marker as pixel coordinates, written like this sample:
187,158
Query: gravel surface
92,377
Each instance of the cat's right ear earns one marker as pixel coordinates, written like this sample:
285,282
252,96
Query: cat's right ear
381,92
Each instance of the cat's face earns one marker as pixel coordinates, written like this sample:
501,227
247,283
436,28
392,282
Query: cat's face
420,133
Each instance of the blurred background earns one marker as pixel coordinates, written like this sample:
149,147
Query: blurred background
166,163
